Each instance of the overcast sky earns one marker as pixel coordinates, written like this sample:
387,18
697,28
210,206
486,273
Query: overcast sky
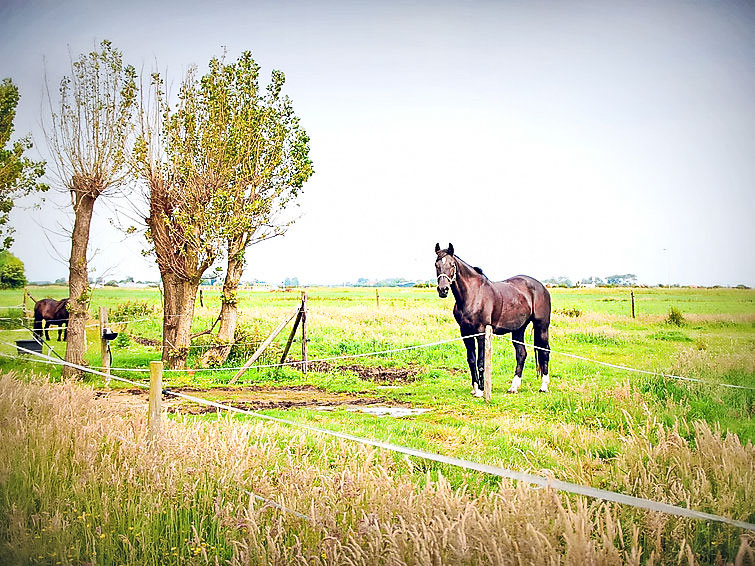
546,138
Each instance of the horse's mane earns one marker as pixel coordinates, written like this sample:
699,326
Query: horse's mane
477,269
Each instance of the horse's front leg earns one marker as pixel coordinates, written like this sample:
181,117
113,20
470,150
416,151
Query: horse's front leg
517,337
469,343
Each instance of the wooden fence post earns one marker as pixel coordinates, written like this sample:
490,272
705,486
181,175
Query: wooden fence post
377,298
155,400
291,337
304,332
104,349
632,294
488,377
262,347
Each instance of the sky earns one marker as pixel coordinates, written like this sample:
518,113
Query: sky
561,138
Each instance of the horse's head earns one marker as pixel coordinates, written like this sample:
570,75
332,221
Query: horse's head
445,268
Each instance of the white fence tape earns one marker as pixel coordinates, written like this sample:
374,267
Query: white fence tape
627,368
559,485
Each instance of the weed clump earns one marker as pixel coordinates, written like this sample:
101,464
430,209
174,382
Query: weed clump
675,317
571,312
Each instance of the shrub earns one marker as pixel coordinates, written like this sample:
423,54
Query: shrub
122,341
572,312
12,274
133,309
675,317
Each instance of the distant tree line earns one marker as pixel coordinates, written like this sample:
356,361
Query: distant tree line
625,280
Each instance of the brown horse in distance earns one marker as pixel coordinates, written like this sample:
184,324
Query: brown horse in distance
507,306
55,313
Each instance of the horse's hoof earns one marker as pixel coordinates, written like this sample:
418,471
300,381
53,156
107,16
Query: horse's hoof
478,393
511,391
541,390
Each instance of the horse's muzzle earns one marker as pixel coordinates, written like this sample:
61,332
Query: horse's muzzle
442,292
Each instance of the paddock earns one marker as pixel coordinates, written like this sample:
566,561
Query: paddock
609,371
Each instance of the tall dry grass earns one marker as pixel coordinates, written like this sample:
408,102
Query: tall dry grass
80,483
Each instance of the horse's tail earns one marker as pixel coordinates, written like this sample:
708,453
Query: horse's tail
537,363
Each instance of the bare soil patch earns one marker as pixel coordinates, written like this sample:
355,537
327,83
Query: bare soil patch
375,374
144,341
252,398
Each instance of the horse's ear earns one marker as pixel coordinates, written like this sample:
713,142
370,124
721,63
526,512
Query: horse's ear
450,249
437,248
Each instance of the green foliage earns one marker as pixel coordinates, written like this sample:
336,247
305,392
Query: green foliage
675,317
12,274
122,341
93,121
671,335
237,156
134,309
571,312
19,175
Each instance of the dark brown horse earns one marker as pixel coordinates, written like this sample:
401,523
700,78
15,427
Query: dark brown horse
507,306
55,313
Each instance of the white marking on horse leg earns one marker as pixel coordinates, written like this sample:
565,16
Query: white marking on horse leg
479,393
515,383
546,381
475,391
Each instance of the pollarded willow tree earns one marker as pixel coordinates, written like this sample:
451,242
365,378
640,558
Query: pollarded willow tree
177,156
220,164
266,156
88,133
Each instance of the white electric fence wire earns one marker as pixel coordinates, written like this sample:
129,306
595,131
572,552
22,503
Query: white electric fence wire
627,368
300,362
431,344
458,462
56,327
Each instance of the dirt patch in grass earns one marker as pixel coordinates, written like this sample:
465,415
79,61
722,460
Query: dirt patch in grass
375,374
144,341
253,398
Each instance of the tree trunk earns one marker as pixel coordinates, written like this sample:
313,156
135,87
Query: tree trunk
229,311
180,296
78,284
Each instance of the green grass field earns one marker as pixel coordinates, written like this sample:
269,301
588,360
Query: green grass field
598,425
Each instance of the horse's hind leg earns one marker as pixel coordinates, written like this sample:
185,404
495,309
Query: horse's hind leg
469,343
517,337
543,353
480,365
